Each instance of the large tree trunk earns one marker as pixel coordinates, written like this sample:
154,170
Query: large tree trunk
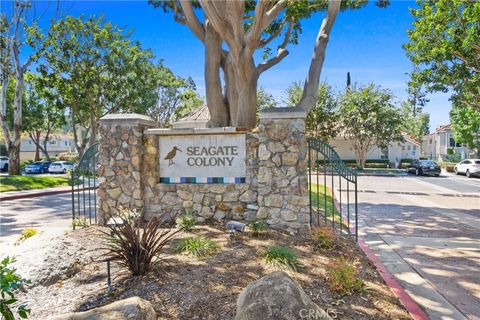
14,145
219,115
13,159
247,94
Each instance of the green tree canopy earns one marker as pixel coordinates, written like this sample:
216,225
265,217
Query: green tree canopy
94,68
322,119
445,48
369,118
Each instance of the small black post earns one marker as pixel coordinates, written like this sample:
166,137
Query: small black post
109,278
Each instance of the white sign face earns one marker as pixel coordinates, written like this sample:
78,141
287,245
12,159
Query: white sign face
215,158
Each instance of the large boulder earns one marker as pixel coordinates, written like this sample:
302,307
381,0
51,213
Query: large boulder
276,296
133,308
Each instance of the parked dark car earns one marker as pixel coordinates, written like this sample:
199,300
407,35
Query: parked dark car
38,167
427,167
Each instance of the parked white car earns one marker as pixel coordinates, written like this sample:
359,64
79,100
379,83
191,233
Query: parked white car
468,167
3,163
61,167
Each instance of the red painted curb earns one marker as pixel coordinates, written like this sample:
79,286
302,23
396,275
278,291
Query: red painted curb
41,194
412,307
405,299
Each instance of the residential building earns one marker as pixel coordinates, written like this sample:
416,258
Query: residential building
198,118
395,152
58,143
435,145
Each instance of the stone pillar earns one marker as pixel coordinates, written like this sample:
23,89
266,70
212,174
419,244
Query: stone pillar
282,170
121,157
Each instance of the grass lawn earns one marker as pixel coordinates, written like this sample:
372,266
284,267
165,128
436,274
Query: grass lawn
12,183
319,198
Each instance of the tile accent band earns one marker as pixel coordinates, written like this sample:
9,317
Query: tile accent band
207,180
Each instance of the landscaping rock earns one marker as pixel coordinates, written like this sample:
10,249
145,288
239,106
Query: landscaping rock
276,296
133,308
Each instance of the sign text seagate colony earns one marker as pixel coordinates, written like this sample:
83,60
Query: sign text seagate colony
213,156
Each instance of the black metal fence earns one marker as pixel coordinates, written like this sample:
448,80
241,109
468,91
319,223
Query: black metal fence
84,189
333,189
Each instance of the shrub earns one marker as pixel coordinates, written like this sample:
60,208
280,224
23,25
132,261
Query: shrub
26,233
450,168
186,221
10,282
199,246
137,245
71,157
283,258
80,222
324,237
257,227
343,277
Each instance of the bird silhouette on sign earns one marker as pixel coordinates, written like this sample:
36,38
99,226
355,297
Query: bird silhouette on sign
172,155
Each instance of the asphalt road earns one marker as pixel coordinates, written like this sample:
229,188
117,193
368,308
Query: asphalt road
50,215
426,230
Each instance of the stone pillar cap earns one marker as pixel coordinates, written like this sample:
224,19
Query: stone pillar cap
282,113
128,119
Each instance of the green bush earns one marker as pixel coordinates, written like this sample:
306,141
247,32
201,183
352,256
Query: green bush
186,221
257,227
199,246
282,257
343,277
10,282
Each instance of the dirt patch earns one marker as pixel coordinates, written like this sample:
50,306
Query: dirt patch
189,288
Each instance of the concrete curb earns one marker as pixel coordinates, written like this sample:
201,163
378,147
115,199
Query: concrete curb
405,299
41,194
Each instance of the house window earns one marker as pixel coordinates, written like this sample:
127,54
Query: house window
452,143
403,148
66,143
408,148
414,147
384,153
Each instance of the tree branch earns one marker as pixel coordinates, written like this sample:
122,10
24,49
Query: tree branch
264,66
192,21
266,41
215,13
255,31
310,90
272,14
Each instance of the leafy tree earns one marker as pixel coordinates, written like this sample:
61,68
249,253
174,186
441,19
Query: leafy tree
445,48
41,115
18,32
93,68
416,123
265,100
466,126
369,118
233,31
175,96
322,119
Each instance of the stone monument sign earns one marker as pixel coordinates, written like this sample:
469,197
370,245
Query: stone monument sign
204,158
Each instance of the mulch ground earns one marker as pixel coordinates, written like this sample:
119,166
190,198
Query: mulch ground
190,288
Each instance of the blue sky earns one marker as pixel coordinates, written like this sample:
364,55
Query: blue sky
366,42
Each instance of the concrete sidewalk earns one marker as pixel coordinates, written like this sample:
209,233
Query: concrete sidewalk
429,241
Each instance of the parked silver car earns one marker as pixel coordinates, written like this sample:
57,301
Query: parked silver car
61,167
468,167
3,163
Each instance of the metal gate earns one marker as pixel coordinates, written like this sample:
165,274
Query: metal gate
333,189
84,189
